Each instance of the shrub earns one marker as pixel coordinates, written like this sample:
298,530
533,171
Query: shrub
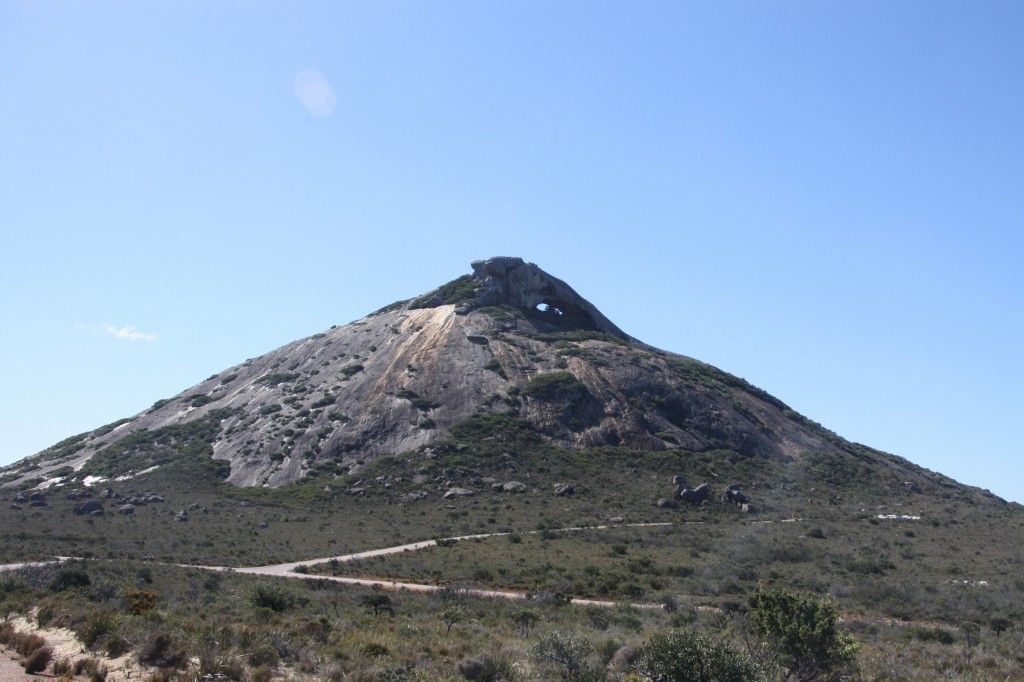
568,653
326,401
27,644
96,671
799,635
351,370
264,656
10,582
487,669
69,577
261,674
140,601
200,400
38,660
62,667
931,634
116,646
495,366
278,378
274,598
163,650
375,650
687,656
94,626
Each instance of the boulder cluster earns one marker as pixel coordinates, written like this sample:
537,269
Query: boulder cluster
36,498
88,502
733,493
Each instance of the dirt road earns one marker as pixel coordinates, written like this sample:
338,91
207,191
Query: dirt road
288,570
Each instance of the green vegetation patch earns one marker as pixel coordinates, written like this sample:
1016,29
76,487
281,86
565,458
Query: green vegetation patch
496,427
555,386
703,374
278,378
421,404
576,335
351,370
464,289
144,449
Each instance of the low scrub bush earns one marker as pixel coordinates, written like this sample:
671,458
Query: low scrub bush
163,650
487,669
69,578
27,644
276,599
94,627
38,660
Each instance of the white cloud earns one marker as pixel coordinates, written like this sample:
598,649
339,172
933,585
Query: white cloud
314,92
127,333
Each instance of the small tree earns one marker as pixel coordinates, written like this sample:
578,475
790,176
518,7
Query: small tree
568,652
452,614
524,620
799,635
999,625
971,631
687,656
378,604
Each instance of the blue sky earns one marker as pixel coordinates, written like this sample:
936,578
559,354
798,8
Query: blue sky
823,198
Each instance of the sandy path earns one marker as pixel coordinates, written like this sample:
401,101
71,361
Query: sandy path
11,671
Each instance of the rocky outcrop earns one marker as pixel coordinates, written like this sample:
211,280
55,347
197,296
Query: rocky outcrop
513,282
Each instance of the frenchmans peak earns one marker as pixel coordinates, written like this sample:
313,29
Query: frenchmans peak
507,340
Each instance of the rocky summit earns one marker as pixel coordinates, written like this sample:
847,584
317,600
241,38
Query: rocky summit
507,339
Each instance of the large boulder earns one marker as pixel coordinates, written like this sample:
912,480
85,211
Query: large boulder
695,495
87,507
453,493
734,494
